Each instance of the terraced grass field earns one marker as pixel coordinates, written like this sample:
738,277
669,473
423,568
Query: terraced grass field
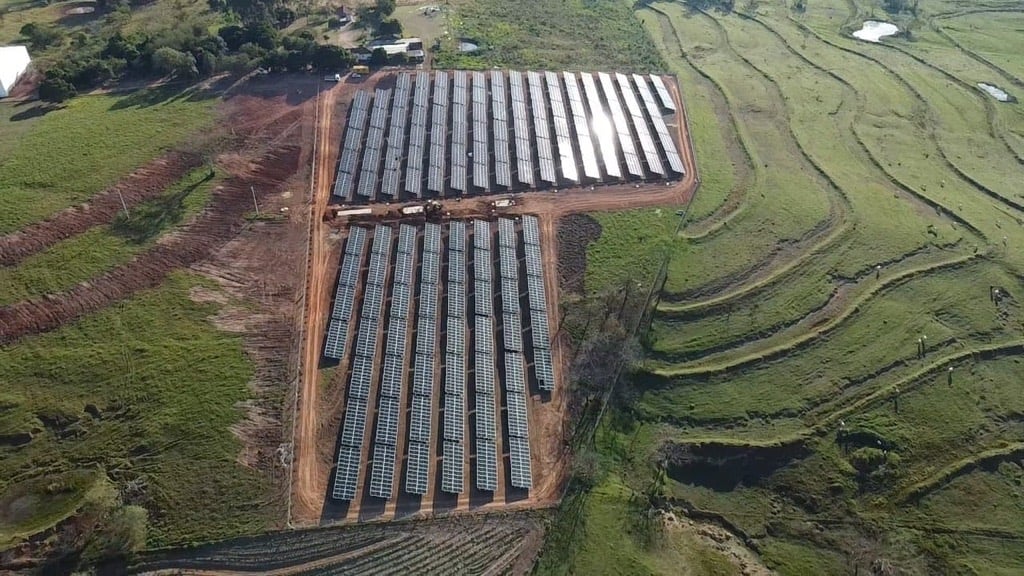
833,367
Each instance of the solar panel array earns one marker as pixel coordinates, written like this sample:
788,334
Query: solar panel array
422,415
469,342
514,379
360,378
539,329
344,295
503,131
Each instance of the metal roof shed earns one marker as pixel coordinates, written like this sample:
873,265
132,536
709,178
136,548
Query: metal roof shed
14,60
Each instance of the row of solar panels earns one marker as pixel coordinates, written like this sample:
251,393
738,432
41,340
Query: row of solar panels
515,366
542,363
593,120
484,361
453,450
360,379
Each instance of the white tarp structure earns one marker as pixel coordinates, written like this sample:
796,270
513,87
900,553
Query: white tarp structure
14,61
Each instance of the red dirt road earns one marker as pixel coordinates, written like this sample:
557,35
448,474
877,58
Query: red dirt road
310,481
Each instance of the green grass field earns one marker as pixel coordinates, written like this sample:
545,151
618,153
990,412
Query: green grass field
856,198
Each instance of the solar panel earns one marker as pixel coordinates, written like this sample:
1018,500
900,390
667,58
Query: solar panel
668,145
621,126
484,334
423,375
420,419
533,261
481,171
603,128
482,265
456,336
650,150
563,134
531,230
543,369
582,126
349,273
430,271
397,330
356,241
506,232
355,423
515,372
545,158
343,302
382,476
483,367
481,234
391,380
360,379
418,136
518,426
512,330
406,239
519,463
539,328
432,238
460,132
456,267
454,373
366,340
499,117
452,468
521,126
438,134
666,98
428,299
509,295
374,151
426,335
352,147
457,236
396,136
486,465
347,476
419,468
456,300
337,334
509,262
454,417
400,301
405,263
485,419
388,414
483,303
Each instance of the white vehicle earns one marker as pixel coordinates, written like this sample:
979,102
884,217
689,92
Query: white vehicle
332,78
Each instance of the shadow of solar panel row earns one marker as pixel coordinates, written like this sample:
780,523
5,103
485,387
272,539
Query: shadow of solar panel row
621,124
519,462
647,145
419,467
543,369
667,143
452,468
455,373
382,475
486,465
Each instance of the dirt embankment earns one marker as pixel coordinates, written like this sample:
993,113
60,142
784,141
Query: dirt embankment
217,224
147,182
575,233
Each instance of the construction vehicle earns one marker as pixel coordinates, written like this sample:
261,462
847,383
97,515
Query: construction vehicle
361,69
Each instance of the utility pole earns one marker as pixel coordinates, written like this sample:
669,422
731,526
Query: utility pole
254,202
123,205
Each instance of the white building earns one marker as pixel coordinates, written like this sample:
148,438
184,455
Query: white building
14,61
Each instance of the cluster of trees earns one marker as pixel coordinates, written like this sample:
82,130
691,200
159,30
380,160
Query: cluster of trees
187,51
378,18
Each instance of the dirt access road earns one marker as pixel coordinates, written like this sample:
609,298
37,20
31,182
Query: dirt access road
309,481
